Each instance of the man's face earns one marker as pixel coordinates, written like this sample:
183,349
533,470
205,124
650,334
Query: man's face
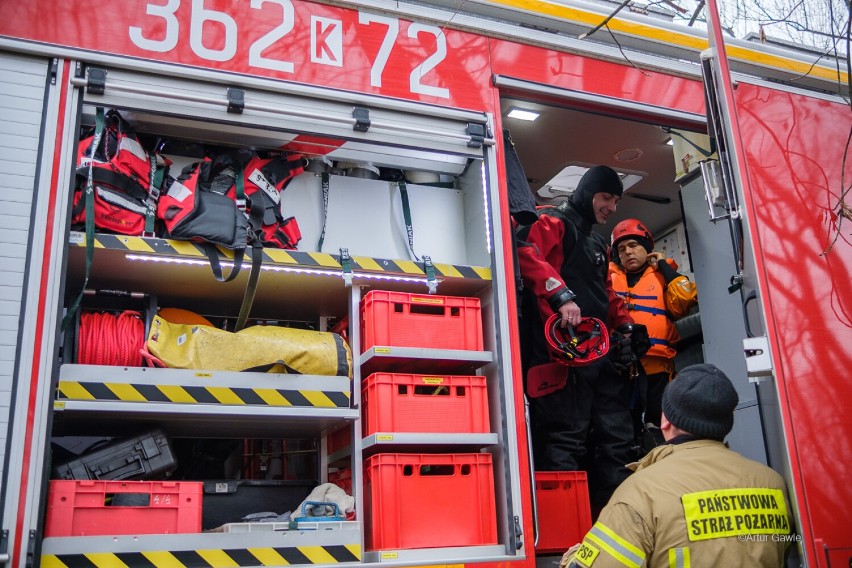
631,254
604,204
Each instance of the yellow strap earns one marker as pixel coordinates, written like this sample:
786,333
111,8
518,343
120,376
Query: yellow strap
616,546
679,558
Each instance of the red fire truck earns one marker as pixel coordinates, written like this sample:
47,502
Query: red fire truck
732,152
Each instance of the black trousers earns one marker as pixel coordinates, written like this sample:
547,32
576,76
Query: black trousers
647,399
586,426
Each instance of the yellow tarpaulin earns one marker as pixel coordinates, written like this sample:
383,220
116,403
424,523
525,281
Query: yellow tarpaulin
259,348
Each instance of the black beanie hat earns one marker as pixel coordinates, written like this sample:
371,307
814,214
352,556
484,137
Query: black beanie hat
701,401
646,244
598,179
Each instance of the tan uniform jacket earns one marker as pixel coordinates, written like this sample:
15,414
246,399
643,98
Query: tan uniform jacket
693,505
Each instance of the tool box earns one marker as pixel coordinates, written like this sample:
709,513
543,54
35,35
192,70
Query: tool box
146,456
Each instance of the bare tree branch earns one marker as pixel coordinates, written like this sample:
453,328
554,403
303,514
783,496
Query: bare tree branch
697,11
606,21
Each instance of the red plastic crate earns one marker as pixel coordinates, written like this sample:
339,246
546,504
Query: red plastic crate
413,320
342,478
339,439
83,507
395,402
564,513
429,501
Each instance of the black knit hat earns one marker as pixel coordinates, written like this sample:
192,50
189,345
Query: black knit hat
646,244
701,401
598,179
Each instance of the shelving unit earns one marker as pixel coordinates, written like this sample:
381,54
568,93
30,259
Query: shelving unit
201,403
304,287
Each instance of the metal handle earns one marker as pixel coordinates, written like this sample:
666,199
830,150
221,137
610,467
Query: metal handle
96,470
711,174
752,295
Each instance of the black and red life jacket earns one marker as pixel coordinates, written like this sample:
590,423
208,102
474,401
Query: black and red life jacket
194,207
263,180
200,204
124,180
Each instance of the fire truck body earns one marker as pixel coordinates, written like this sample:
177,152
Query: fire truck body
759,218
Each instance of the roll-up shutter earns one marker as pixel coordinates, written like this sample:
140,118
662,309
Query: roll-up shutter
341,125
22,94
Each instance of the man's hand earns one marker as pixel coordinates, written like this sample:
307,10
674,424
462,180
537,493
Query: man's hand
568,556
653,258
570,313
620,351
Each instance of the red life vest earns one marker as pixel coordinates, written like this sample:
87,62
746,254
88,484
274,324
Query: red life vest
263,180
122,178
192,210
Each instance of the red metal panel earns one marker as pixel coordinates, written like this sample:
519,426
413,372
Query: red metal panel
282,39
621,81
794,152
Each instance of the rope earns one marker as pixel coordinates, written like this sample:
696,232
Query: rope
110,339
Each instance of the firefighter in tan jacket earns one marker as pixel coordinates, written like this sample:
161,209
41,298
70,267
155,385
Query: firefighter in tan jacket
692,503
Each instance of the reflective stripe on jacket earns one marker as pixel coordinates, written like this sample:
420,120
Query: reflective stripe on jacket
692,505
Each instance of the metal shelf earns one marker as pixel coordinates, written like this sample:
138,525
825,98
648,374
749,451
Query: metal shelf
390,359
445,442
453,555
310,283
340,458
201,403
340,544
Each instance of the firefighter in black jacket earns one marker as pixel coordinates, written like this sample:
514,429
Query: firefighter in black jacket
564,269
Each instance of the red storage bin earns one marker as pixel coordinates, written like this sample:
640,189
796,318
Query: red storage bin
414,320
395,402
429,501
564,513
88,507
342,478
338,440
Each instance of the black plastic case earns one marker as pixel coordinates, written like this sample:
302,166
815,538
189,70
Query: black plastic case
147,456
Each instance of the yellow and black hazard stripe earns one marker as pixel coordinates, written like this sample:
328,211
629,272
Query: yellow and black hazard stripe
282,257
125,392
210,558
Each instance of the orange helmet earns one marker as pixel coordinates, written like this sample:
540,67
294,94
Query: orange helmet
577,345
631,228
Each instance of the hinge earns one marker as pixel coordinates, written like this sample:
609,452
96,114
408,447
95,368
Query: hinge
476,133
362,119
757,358
518,534
54,69
236,101
31,549
96,81
4,547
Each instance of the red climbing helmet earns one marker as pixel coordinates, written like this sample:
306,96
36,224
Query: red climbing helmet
577,345
631,228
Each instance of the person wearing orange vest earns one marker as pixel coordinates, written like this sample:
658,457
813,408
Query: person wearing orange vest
656,295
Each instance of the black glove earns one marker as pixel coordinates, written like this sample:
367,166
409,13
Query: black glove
621,351
640,342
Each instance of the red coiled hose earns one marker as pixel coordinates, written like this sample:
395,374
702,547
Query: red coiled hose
110,339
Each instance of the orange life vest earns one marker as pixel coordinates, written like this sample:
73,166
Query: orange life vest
646,304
